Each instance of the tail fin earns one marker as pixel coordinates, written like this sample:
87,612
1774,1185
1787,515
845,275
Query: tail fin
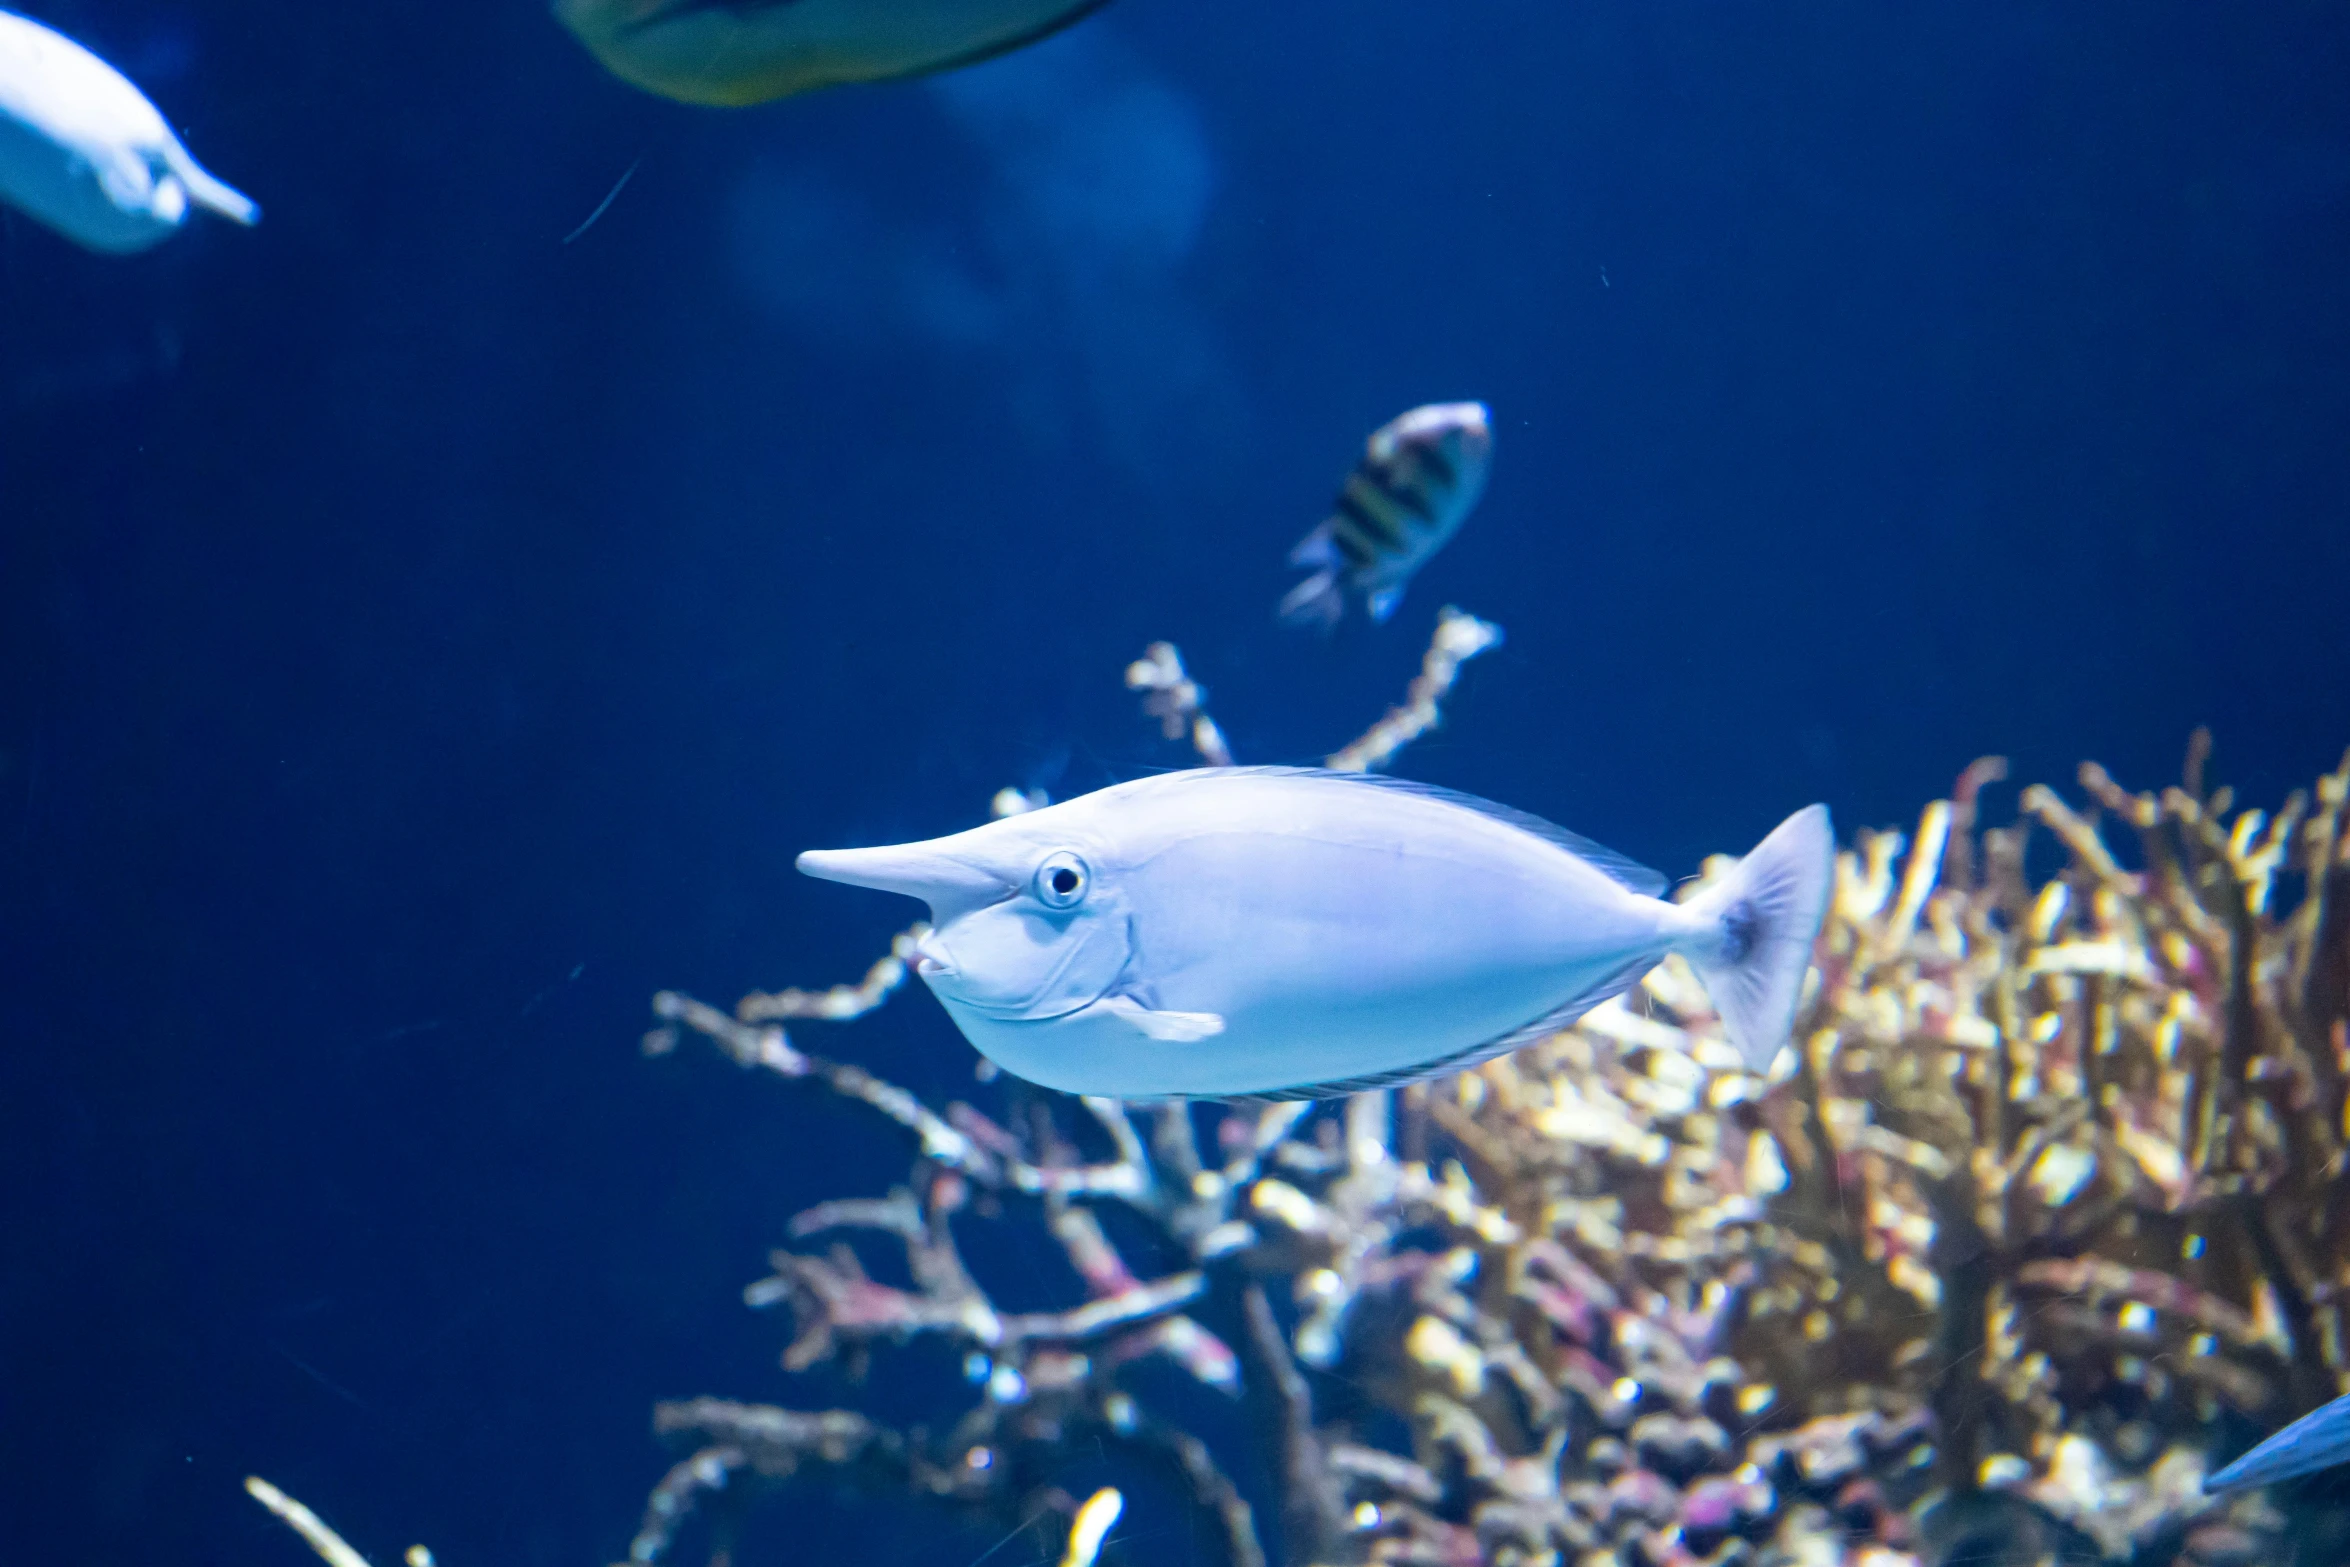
1754,931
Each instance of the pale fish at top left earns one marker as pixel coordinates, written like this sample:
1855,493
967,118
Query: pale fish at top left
83,151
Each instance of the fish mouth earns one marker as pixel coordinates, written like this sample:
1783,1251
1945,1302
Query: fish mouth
1023,1012
931,961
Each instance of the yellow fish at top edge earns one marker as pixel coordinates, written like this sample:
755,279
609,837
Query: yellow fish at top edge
730,53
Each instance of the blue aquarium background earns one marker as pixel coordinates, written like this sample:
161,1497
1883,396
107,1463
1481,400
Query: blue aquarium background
426,632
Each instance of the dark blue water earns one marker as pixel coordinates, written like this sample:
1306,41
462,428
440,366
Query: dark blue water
421,639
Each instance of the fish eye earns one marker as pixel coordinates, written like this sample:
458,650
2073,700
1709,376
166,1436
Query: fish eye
1061,881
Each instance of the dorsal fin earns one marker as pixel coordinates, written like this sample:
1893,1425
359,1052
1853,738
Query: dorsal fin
1621,869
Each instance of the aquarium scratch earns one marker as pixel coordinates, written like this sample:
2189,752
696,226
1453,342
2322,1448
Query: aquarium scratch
610,197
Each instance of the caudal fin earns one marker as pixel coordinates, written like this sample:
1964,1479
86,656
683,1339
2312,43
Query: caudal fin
1754,930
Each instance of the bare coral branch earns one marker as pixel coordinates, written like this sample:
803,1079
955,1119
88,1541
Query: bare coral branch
840,1003
2043,1142
1459,637
1177,701
329,1545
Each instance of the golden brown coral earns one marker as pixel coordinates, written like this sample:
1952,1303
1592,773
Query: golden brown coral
2050,1193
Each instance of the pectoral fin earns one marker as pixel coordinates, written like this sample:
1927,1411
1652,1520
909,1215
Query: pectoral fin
1175,1027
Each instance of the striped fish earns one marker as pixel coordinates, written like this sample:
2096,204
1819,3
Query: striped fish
734,52
1420,475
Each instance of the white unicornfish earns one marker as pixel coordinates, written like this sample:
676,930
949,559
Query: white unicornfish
1268,932
2316,1441
734,52
83,150
1420,477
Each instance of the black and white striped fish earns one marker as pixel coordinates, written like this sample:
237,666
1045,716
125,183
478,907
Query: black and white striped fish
1420,475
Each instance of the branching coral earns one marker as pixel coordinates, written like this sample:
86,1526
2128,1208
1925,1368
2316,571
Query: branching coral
1177,701
1458,639
2049,1198
331,1547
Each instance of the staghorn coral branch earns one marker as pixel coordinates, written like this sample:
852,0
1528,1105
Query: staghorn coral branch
329,1545
1312,1525
1459,637
1966,1265
2099,1281
750,1046
675,1498
1177,702
2078,835
1200,1353
836,1303
778,1441
2059,1178
1384,1473
1960,868
740,1451
1096,1319
1917,879
940,1137
755,1445
840,1003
